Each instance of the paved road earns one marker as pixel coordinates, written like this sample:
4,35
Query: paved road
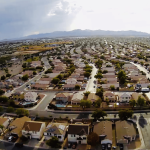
144,127
46,63
141,68
72,51
44,103
90,84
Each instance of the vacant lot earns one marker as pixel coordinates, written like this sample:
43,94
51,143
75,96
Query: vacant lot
40,47
15,69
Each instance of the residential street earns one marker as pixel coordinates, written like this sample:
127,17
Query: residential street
46,63
91,86
141,68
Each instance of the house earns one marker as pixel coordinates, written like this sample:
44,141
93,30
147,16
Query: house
43,82
77,98
71,81
36,64
30,96
2,85
78,133
16,126
33,129
125,132
69,87
18,95
104,131
5,122
92,97
64,97
110,96
124,97
55,129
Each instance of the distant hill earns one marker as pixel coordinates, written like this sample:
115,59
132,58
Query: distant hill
79,33
82,33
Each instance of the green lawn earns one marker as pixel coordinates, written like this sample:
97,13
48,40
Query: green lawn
34,59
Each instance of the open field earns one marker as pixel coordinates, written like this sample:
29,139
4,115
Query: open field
40,47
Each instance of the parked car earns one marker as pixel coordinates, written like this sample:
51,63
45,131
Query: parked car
10,138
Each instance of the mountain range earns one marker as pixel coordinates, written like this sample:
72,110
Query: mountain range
80,33
83,33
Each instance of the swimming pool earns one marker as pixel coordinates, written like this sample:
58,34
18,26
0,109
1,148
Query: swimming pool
60,105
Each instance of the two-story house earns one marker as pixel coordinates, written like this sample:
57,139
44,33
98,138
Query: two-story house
33,129
55,129
63,97
30,96
110,96
124,97
125,132
78,133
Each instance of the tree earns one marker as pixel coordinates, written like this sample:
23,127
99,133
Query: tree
86,93
22,112
3,77
11,102
3,99
85,103
24,65
132,103
77,87
140,101
53,142
48,71
25,77
88,70
112,87
1,109
10,109
55,80
99,114
60,76
8,75
105,71
98,103
122,76
87,74
125,114
99,92
2,92
34,73
98,76
93,139
107,101
2,128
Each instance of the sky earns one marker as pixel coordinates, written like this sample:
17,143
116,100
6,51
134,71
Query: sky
19,18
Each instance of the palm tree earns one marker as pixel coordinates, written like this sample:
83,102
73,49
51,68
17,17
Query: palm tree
2,128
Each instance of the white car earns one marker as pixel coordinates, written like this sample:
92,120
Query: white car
10,138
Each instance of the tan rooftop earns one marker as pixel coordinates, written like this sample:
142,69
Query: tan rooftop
18,124
104,128
32,126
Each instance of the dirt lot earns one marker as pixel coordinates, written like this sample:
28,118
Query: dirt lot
15,69
40,47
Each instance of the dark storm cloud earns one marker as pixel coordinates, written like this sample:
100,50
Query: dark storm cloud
23,17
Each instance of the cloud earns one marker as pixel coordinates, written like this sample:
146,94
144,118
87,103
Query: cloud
20,18
25,17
